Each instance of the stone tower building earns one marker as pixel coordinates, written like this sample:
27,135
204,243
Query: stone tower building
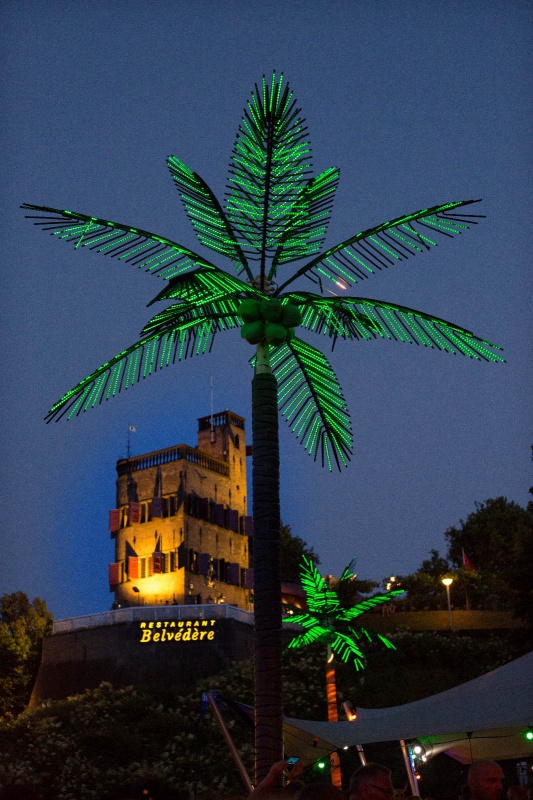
181,530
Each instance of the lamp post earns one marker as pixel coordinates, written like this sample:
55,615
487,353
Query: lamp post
448,582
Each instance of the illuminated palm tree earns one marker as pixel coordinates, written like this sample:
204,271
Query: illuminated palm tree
274,213
330,622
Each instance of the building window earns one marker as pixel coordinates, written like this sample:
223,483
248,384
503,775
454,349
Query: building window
237,441
193,561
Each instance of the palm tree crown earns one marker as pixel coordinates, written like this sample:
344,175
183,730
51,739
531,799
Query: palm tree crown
327,617
274,213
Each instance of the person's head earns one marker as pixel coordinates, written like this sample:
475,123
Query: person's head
319,791
485,780
371,782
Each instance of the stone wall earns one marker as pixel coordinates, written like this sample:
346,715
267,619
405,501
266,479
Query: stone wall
128,654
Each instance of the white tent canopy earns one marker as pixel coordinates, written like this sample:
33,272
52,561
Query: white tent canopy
484,718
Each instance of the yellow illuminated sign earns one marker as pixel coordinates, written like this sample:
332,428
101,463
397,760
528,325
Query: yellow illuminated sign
182,630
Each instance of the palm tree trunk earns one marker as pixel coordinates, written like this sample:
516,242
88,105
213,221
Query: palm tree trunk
333,716
266,561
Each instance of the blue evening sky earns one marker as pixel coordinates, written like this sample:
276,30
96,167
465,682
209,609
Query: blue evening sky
418,103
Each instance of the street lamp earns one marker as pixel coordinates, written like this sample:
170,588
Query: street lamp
448,582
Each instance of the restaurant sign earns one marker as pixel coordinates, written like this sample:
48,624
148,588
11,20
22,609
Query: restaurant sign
173,630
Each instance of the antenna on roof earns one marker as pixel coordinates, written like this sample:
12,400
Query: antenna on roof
212,419
131,429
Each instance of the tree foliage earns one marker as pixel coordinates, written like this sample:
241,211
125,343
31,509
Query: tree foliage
490,536
497,539
22,627
292,549
82,747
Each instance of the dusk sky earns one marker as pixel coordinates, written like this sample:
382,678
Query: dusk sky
418,104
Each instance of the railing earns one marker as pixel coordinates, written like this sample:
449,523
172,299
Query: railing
222,418
124,466
153,613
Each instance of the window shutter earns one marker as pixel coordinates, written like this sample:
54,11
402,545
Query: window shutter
157,507
182,556
249,526
157,563
134,513
195,506
219,514
133,567
114,575
248,579
234,574
114,520
233,520
204,508
203,563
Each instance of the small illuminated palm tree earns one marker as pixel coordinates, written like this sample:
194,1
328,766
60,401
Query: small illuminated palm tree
274,213
330,622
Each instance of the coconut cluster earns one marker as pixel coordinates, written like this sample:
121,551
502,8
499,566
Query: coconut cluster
268,320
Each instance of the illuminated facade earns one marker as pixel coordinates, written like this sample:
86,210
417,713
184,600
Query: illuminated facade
181,530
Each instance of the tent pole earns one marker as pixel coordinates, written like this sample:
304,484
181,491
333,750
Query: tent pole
361,754
240,766
413,783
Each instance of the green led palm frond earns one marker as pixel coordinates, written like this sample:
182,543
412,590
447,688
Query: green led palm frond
269,167
318,596
402,324
204,283
332,316
221,310
345,647
185,335
381,247
349,571
305,620
387,642
307,227
364,633
348,614
315,634
206,214
310,398
144,250
366,319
